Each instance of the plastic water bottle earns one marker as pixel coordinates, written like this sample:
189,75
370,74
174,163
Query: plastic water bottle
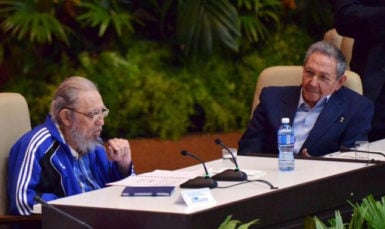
285,146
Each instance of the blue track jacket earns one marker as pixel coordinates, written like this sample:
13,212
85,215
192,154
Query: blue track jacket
40,163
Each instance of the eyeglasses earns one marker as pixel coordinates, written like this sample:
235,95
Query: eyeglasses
324,78
94,116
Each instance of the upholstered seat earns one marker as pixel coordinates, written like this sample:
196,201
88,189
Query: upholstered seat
14,122
345,44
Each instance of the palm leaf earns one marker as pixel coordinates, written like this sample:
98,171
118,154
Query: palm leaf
201,23
230,223
372,211
335,223
256,16
22,19
97,15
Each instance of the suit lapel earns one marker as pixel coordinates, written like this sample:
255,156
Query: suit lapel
289,104
331,114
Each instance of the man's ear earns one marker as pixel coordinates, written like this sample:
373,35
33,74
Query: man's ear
341,81
65,116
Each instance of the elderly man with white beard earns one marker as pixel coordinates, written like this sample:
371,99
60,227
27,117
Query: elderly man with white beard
65,155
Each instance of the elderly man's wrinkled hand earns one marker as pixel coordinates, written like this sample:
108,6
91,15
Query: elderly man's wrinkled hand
119,150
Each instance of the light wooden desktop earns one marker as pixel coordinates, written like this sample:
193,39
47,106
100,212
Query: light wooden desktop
374,147
314,187
305,171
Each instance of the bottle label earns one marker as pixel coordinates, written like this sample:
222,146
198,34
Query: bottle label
287,139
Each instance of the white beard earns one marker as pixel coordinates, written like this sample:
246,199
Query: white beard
84,145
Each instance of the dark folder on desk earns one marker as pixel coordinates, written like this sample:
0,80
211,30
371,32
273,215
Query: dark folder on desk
148,191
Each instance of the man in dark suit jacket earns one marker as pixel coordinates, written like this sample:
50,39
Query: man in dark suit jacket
364,21
337,115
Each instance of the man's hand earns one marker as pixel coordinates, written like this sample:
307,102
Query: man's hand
119,150
304,153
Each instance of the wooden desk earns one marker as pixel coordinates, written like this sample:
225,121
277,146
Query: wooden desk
315,187
376,147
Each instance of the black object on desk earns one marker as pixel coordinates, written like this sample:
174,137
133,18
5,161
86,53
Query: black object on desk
148,191
200,181
230,174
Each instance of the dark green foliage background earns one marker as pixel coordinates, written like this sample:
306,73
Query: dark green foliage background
153,88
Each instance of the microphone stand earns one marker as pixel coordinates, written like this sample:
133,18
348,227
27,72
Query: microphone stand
199,182
344,149
230,174
82,224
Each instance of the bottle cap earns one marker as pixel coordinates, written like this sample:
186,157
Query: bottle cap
285,120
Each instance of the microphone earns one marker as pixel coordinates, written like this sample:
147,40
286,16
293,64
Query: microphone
344,149
79,223
198,182
230,174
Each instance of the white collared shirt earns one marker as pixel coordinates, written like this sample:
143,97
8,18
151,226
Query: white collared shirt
305,118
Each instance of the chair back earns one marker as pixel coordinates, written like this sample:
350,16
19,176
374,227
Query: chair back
291,76
344,43
14,122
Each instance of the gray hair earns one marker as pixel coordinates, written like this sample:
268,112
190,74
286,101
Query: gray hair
66,94
329,50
